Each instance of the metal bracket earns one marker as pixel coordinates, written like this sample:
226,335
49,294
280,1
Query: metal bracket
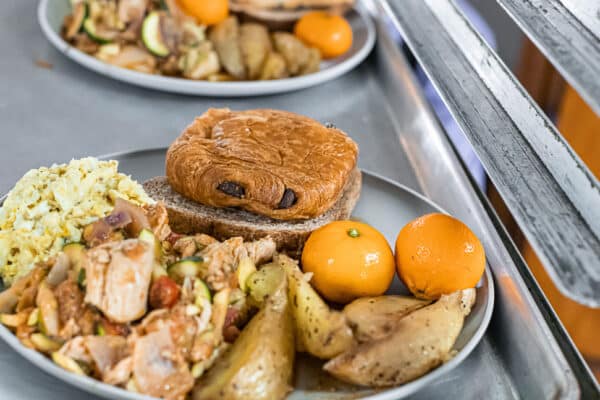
551,193
568,33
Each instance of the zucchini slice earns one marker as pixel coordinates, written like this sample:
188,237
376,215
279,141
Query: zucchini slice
146,235
152,37
97,35
201,291
186,267
245,268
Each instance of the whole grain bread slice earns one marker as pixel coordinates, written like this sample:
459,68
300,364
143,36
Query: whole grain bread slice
188,217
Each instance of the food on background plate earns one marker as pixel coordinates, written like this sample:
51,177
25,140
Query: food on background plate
438,254
283,13
206,12
187,38
330,34
49,207
348,260
252,174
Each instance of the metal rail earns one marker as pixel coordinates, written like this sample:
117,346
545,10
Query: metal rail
568,33
552,195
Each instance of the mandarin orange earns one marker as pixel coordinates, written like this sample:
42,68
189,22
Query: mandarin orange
437,254
329,33
348,259
207,12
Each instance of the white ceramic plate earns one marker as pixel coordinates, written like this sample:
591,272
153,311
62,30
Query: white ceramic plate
384,204
52,12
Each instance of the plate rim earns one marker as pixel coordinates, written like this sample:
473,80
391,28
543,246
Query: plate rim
102,389
204,88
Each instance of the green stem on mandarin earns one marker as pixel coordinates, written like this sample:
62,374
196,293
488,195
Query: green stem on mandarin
353,232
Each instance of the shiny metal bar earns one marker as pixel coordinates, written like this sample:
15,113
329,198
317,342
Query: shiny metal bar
552,195
568,33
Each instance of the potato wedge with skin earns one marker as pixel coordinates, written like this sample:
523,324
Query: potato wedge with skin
320,331
255,44
259,364
372,318
420,342
296,54
274,67
225,38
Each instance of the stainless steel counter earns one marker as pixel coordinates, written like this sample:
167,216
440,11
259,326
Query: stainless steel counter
52,115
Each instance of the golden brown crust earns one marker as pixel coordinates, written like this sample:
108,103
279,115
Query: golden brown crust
273,163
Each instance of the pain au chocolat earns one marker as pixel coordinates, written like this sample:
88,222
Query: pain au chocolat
272,163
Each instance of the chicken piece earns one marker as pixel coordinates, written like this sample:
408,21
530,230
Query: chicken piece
375,317
132,13
101,353
222,258
420,342
106,351
159,369
255,44
186,246
118,277
259,251
131,10
184,328
203,240
31,282
225,38
70,300
77,350
119,374
10,297
159,220
297,56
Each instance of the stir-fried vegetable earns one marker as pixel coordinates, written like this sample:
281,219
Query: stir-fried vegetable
160,37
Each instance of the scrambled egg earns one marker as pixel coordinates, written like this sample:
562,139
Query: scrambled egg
49,207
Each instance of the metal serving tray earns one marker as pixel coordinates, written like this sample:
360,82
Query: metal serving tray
51,115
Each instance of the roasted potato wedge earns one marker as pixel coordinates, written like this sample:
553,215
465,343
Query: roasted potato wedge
420,342
255,45
225,37
259,364
372,318
297,56
320,331
274,67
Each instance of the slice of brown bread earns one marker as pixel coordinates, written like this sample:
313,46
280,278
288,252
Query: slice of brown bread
188,217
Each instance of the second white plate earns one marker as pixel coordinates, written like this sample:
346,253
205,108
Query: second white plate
52,12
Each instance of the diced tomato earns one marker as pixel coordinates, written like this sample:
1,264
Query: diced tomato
164,293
